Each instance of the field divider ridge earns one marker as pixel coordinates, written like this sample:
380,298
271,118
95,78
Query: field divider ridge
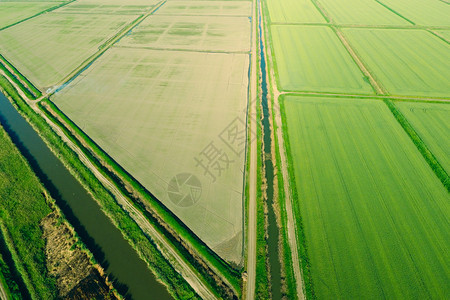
182,50
439,36
378,88
395,12
429,157
38,14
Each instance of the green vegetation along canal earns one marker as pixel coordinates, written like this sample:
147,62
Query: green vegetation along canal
273,231
129,273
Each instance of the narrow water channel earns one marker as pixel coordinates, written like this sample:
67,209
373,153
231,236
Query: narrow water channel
273,230
121,262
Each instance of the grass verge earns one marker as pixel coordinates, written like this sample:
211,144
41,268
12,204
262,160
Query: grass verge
22,207
301,240
31,91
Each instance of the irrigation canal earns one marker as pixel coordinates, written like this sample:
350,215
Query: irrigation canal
272,228
129,273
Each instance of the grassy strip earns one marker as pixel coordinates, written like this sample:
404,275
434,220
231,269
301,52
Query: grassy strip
262,288
177,286
22,207
31,91
301,241
18,82
286,255
421,146
121,178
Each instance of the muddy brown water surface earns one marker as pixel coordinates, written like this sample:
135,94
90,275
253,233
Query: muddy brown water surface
130,274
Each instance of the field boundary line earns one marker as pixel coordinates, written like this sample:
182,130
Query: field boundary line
375,85
429,157
203,15
439,36
38,14
362,26
395,12
378,88
322,11
182,50
360,96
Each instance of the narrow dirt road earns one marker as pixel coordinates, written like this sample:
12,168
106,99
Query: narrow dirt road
252,175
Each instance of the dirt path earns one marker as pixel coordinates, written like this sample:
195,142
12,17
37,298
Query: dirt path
251,229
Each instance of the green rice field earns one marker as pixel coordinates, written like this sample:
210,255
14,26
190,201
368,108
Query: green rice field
406,62
204,33
311,58
170,98
291,11
431,12
12,12
432,122
363,12
207,8
375,216
47,48
137,104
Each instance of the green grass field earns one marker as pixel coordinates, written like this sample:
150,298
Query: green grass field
291,11
406,62
22,207
202,33
47,48
312,58
12,12
375,216
155,112
361,12
432,122
432,12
